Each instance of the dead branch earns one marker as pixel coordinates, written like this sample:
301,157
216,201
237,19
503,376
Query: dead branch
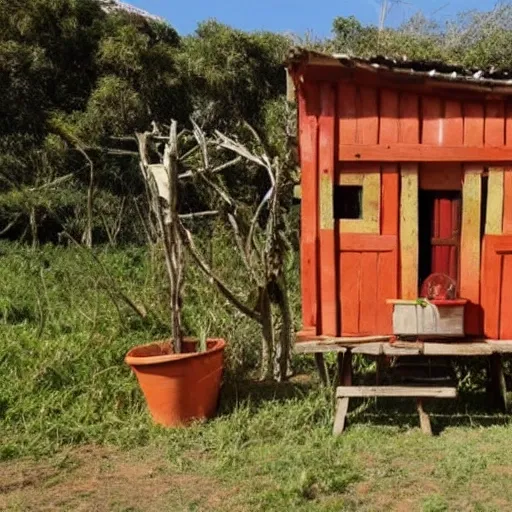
221,286
10,225
215,170
55,182
188,216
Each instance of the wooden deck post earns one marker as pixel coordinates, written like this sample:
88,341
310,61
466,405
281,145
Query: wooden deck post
342,403
346,369
425,425
498,387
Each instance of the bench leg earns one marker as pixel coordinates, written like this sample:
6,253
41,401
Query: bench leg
322,368
346,369
425,425
498,386
341,415
381,365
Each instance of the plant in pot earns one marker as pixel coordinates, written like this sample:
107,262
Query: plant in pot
180,378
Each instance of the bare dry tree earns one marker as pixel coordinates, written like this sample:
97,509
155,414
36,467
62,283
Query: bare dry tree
262,245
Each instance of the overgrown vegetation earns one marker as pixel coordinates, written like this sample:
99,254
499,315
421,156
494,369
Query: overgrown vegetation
64,330
77,84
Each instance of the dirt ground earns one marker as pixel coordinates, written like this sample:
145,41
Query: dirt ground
100,479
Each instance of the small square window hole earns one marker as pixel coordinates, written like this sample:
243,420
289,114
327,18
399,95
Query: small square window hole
348,202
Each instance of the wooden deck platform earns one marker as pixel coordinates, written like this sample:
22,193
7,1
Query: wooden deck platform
381,347
377,346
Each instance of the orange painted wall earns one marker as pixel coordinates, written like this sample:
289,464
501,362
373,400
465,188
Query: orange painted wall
346,278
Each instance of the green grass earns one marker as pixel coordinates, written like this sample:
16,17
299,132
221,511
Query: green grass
64,384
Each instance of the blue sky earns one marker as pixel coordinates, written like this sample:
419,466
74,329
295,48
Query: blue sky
297,16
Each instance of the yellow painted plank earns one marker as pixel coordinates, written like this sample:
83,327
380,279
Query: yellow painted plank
371,183
470,234
409,231
494,222
326,202
351,178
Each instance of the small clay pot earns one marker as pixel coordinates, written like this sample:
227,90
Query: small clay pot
179,388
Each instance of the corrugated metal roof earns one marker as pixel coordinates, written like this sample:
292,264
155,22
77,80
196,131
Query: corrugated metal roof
429,69
116,5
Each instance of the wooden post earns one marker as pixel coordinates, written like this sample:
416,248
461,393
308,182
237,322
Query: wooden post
494,222
340,368
340,416
346,369
342,403
381,365
497,382
470,248
425,425
409,231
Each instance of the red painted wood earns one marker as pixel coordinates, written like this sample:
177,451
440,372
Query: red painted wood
456,232
399,121
388,116
369,273
328,257
409,121
423,153
387,266
367,116
350,263
508,123
433,123
441,176
445,231
449,303
369,286
506,299
507,202
495,124
445,226
356,242
490,294
387,288
473,124
403,82
453,123
308,96
435,234
347,116
386,126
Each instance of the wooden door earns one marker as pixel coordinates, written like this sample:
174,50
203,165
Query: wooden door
446,227
368,278
496,294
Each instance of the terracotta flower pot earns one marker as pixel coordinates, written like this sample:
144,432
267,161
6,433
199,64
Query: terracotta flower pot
179,388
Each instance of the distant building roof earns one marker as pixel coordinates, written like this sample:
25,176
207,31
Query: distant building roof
116,5
492,78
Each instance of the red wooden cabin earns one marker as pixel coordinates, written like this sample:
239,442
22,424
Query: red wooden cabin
406,171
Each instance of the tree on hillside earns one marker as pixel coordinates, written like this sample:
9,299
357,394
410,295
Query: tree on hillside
232,74
473,39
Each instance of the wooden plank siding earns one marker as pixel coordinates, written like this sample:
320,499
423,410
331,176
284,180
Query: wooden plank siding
496,290
329,295
369,247
408,140
470,249
309,109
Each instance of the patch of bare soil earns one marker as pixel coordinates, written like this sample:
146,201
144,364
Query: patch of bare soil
96,479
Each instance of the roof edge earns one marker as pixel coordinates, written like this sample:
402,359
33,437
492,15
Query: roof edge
433,71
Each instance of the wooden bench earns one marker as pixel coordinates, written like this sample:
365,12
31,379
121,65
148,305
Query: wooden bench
344,393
